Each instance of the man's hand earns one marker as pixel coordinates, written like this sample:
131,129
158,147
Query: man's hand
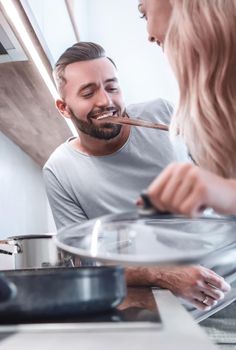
193,283
187,189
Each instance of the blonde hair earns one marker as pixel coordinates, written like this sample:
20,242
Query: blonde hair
201,47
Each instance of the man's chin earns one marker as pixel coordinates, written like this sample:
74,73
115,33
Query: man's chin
107,132
109,126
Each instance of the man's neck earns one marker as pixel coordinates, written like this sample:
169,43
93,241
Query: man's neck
95,147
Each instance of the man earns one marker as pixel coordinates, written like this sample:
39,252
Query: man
103,169
109,163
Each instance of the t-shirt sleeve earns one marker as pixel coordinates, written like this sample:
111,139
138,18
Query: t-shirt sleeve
166,110
157,111
65,211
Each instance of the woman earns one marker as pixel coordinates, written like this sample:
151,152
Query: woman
201,46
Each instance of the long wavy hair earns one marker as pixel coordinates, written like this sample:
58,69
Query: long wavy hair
201,47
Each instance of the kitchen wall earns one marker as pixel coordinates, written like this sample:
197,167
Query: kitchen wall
52,24
24,207
28,118
143,69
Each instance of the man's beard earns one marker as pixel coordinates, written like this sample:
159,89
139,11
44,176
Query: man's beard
107,132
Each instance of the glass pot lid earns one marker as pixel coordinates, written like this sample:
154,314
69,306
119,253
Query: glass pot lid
129,239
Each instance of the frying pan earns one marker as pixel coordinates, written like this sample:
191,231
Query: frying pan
60,292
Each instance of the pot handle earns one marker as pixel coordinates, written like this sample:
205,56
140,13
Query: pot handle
2,251
6,242
8,290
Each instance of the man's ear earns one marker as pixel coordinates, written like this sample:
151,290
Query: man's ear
63,109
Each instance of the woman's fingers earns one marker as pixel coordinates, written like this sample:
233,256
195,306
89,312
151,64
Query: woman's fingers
179,189
176,189
158,186
163,189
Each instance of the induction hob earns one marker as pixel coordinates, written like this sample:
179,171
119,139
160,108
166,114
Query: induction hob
138,311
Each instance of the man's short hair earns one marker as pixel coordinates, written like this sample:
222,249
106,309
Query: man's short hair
81,51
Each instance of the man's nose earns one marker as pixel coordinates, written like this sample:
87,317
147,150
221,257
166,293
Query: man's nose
103,98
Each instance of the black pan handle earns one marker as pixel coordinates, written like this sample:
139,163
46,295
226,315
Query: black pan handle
148,209
8,289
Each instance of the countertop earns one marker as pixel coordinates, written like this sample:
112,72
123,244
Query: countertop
178,330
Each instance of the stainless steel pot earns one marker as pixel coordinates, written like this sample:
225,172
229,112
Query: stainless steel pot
34,251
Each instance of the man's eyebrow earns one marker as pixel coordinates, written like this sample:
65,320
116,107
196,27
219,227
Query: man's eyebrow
92,85
111,80
86,86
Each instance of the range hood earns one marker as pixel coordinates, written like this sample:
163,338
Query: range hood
10,48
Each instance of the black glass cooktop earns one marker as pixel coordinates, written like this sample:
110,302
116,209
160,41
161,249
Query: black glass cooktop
139,308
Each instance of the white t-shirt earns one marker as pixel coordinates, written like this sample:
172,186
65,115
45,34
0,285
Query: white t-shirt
82,187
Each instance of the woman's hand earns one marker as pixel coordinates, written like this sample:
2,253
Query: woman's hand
187,189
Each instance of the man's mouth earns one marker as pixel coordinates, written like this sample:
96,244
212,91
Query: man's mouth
105,114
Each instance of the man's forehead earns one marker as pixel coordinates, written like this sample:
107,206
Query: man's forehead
88,72
82,68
